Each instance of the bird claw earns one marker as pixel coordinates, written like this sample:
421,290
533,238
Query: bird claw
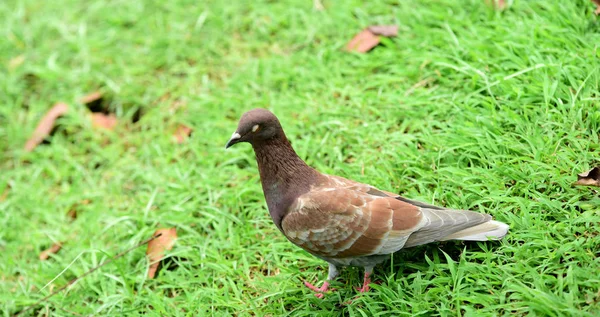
363,289
318,290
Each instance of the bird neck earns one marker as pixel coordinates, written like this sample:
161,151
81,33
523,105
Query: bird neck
283,174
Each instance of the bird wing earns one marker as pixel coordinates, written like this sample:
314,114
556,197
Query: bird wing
350,220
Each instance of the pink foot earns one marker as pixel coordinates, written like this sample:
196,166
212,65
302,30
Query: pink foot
364,288
366,282
318,290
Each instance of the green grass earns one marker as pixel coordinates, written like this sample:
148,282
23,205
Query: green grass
467,108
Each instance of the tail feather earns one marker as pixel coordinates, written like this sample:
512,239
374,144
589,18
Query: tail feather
448,224
492,229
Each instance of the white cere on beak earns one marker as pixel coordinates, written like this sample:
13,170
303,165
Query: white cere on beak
254,128
235,136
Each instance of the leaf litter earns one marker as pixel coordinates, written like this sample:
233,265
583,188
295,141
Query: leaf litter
370,37
100,117
182,133
46,125
103,121
45,255
589,178
157,247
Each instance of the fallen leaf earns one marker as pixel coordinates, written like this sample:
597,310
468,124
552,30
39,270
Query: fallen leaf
104,121
158,246
363,42
91,97
182,133
384,30
72,213
589,178
369,37
16,62
45,125
51,250
597,11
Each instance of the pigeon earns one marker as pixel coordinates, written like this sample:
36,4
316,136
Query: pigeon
344,222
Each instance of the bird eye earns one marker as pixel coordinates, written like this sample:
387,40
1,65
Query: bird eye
255,128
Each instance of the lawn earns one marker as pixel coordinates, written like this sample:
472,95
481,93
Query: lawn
468,107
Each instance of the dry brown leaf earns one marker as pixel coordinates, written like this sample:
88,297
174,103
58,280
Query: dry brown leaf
363,42
45,125
589,178
91,97
597,3
182,133
370,37
158,246
51,250
384,30
73,211
104,121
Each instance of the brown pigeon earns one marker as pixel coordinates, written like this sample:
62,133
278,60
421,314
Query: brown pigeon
342,221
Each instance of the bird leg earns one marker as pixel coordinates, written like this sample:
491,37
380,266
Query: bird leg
365,287
366,280
318,290
333,272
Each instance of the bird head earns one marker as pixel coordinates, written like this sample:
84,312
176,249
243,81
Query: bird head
255,126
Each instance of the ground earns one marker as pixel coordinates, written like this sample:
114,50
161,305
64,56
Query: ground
468,107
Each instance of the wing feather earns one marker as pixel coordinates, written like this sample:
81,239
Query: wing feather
349,222
345,219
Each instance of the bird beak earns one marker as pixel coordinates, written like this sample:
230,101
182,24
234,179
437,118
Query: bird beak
235,137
